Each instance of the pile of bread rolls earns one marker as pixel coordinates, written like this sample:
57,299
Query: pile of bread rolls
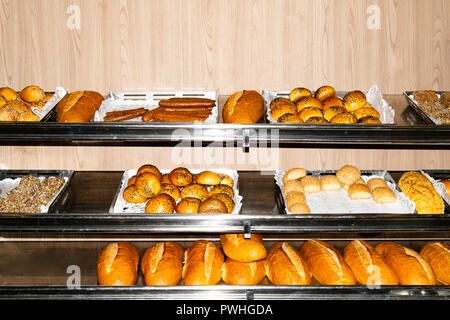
323,107
248,263
296,183
180,191
17,106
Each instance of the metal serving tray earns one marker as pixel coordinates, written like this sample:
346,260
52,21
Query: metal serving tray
418,110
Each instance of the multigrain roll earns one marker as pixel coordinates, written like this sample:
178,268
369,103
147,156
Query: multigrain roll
410,267
238,248
437,254
162,264
27,115
310,112
188,205
367,264
354,100
165,179
327,265
161,203
243,273
278,101
195,191
180,177
324,92
348,174
285,266
203,265
243,107
298,93
7,114
117,265
294,174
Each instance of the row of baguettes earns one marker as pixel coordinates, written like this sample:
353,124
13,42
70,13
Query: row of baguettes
204,263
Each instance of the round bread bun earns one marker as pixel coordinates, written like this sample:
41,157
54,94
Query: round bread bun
8,93
376,182
348,174
294,174
171,190
383,195
369,120
32,94
282,109
226,199
446,183
149,168
366,111
299,93
226,180
330,183
161,203
294,197
7,114
358,191
346,117
165,178
180,177
131,195
222,188
354,100
212,205
132,180
311,184
279,101
330,112
325,92
299,208
148,184
316,120
28,116
331,102
188,205
310,112
290,118
208,178
3,102
195,190
293,185
307,102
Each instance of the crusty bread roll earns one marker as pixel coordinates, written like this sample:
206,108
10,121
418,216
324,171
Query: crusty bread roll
344,118
311,184
203,264
2,101
226,180
32,94
285,266
327,265
236,247
117,265
165,178
161,203
243,273
410,267
366,111
348,174
437,255
7,114
162,264
369,120
316,120
79,106
367,264
294,174
243,107
27,115
330,183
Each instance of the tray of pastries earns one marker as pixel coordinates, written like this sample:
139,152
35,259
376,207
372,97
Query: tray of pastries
180,190
35,191
432,106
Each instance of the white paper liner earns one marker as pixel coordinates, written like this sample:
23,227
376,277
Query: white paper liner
373,96
339,202
8,184
439,186
435,120
51,103
122,206
118,101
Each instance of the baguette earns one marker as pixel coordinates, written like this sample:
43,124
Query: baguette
243,273
79,106
162,264
203,265
117,265
327,265
285,266
437,255
410,267
240,249
367,264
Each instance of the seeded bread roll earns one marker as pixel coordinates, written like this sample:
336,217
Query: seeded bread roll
358,191
330,183
311,184
383,195
294,174
376,183
241,249
298,93
117,265
293,185
348,174
299,208
295,197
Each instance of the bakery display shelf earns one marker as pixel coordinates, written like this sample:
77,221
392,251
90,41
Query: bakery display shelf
84,207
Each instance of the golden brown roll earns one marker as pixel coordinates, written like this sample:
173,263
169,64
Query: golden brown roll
243,107
17,105
285,266
203,265
279,101
290,118
331,102
27,116
298,93
162,264
188,205
310,112
38,104
354,100
236,247
161,203
437,255
294,174
330,112
226,180
243,273
32,94
316,120
348,174
446,183
358,191
376,182
410,267
132,180
117,265
47,97
306,102
293,185
3,102
299,208
369,120
165,179
148,184
327,265
131,195
7,114
325,92
222,188
180,177
311,184
281,106
365,112
79,106
295,197
195,191
383,195
345,117
367,264
149,168
212,205
226,199
330,183
8,93
209,178
171,190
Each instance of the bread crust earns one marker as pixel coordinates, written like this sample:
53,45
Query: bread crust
236,247
117,264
